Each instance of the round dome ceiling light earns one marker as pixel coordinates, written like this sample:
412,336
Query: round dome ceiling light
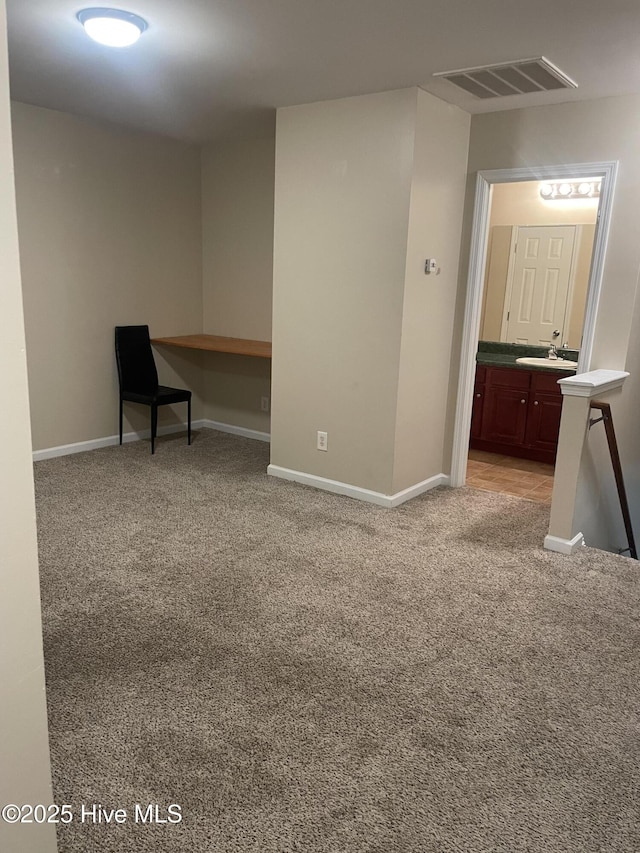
112,27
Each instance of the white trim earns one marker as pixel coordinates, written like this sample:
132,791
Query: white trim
564,546
338,488
509,288
419,489
236,430
108,441
471,327
573,274
607,170
593,383
600,240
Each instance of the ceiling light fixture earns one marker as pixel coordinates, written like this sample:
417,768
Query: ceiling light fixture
112,27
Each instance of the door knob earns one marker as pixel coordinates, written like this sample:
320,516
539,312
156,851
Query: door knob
556,333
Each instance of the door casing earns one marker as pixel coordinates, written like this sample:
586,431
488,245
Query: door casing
606,171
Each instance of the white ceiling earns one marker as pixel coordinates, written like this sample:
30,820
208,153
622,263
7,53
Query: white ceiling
207,69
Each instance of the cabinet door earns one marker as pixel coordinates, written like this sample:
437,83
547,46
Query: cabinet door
543,423
476,412
505,415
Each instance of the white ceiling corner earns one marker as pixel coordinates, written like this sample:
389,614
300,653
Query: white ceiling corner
208,69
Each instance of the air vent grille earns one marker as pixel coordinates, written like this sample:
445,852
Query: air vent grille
510,78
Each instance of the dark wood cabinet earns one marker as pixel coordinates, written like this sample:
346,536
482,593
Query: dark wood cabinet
478,402
504,416
517,412
545,410
504,419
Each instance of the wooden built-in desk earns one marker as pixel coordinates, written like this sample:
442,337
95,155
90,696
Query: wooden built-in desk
216,343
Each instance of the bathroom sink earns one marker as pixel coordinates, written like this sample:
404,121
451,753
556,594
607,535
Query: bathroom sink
558,363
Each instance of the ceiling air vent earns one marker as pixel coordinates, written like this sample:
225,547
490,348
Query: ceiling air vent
510,78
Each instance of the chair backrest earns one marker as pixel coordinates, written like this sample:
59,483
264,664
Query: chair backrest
136,367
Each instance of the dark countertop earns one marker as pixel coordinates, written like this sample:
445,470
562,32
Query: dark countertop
497,354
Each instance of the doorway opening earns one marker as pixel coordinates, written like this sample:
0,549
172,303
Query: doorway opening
535,274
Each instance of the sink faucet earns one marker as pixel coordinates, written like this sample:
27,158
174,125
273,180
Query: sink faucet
553,352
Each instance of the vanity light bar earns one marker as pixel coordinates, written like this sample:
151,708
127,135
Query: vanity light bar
562,190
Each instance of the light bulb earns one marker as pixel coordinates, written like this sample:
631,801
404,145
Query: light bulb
112,27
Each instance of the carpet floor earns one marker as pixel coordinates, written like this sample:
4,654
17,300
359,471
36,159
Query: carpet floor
304,672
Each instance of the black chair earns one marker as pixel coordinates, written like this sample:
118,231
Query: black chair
139,378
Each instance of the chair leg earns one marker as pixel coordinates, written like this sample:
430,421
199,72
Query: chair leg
121,420
189,421
154,427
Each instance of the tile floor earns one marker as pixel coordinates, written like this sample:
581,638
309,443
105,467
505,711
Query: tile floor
510,476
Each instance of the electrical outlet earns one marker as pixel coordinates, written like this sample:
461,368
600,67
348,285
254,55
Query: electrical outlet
323,440
264,404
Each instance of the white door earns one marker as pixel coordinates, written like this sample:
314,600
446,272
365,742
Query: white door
540,285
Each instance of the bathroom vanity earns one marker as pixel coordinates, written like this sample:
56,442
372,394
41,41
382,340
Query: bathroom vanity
517,407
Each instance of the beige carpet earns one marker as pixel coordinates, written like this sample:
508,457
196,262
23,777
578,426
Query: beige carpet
304,672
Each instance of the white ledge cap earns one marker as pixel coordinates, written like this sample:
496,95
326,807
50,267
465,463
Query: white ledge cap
593,383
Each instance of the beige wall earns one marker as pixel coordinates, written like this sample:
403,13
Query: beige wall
626,414
24,752
237,227
366,189
495,283
110,234
585,131
521,204
437,199
237,233
343,181
606,129
584,248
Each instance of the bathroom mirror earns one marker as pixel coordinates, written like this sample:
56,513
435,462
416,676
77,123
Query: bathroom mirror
538,262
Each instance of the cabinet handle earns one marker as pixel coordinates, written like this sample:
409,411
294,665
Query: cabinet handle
523,401
478,395
535,402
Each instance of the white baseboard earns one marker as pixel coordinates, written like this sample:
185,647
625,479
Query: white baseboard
236,430
564,546
97,443
109,440
356,492
419,489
